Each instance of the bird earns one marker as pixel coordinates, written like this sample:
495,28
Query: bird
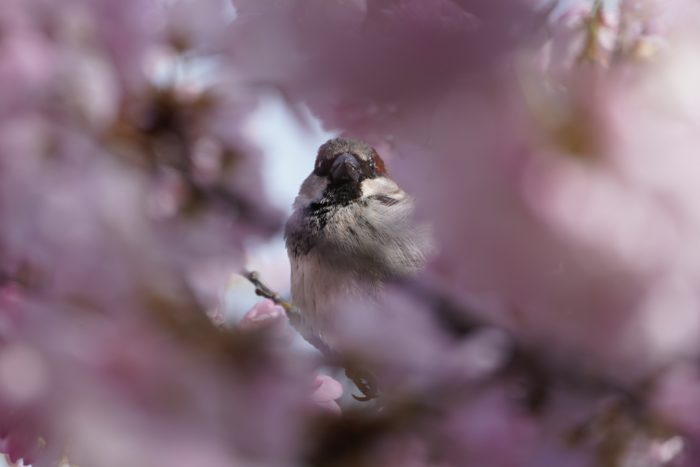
352,231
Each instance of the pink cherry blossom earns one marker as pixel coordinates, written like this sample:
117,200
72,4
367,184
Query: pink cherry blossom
551,145
267,315
326,393
264,313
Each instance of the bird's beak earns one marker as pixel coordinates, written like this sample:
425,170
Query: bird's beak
345,168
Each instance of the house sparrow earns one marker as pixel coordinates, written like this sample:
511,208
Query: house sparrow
351,231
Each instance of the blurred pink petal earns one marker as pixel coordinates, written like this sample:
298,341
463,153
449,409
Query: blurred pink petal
677,398
326,392
564,198
263,313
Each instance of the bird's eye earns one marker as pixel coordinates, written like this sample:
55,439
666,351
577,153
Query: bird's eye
372,168
323,165
376,165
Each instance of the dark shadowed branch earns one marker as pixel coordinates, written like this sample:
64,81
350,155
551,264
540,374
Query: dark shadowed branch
532,370
362,379
262,290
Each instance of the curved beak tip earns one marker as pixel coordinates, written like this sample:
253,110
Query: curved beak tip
345,168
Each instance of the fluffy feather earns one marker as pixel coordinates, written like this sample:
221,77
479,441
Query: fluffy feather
345,241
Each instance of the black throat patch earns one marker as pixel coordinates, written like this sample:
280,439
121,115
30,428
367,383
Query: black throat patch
335,196
342,194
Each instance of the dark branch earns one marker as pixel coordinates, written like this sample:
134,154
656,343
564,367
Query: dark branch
539,365
262,290
362,379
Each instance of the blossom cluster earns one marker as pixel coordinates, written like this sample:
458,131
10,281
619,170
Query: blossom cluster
551,145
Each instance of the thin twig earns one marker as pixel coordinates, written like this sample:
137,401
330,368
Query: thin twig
263,290
363,380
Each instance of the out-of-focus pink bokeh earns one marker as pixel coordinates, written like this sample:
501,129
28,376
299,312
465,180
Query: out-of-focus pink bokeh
551,145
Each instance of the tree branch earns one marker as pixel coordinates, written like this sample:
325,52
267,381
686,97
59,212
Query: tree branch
263,290
363,380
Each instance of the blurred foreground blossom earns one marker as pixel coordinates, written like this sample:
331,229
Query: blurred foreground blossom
265,315
555,160
119,188
326,392
555,175
551,146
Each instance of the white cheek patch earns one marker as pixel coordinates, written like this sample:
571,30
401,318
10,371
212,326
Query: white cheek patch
381,186
311,191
